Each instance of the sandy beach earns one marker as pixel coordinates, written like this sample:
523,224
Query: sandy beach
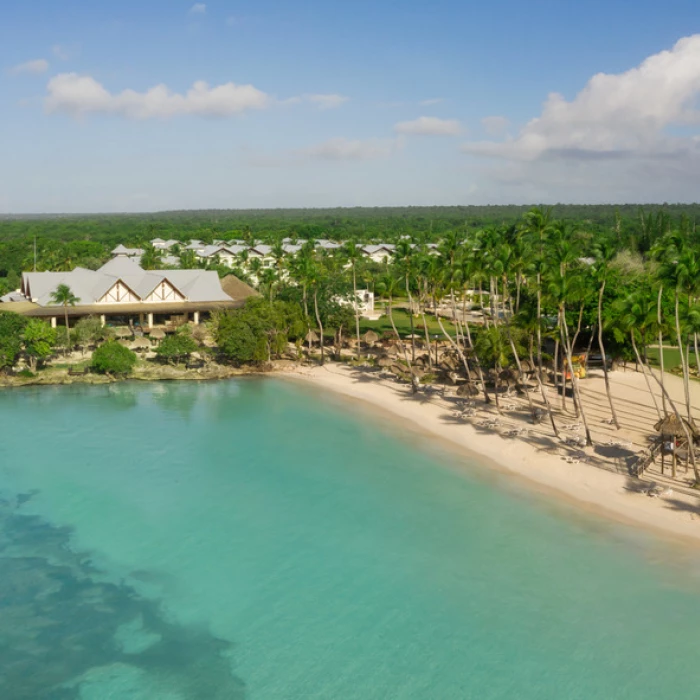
594,478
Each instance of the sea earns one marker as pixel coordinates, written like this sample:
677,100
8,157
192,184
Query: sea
259,539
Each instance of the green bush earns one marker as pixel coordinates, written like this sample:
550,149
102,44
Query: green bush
177,347
113,358
11,329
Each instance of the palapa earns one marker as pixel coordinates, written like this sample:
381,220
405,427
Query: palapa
370,337
311,337
671,426
467,389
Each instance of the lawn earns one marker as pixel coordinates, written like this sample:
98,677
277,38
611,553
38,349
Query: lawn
672,357
403,324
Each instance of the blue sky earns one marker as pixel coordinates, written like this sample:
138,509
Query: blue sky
345,104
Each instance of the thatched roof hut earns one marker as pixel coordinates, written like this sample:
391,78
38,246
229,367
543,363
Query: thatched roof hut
123,332
370,337
467,389
140,344
672,427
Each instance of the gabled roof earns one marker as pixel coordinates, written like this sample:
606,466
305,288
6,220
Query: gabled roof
91,285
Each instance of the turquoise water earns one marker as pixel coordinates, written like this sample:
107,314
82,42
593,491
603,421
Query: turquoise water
254,539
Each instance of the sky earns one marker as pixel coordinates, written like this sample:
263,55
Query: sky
157,105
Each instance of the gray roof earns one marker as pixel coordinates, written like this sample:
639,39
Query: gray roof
262,249
160,244
91,285
131,252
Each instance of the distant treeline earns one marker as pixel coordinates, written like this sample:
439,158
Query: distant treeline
63,241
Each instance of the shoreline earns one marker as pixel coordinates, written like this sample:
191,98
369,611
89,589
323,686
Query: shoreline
592,490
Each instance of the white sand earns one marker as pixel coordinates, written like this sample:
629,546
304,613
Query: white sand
601,482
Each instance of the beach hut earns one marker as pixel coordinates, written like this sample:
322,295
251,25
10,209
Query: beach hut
140,344
370,337
673,435
467,390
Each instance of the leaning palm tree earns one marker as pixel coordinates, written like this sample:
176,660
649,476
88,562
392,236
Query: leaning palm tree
64,297
604,252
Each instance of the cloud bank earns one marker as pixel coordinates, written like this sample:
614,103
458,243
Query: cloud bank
77,95
615,116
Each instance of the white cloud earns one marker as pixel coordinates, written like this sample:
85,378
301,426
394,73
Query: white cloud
431,101
199,8
626,115
495,126
35,67
429,126
347,149
78,95
327,101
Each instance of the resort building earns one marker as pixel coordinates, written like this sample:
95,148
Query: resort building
123,252
160,244
380,253
122,293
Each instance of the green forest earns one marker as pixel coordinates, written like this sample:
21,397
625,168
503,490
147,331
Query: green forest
64,241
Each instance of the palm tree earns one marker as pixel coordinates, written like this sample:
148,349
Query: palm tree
389,286
63,296
352,254
151,258
679,268
404,261
604,252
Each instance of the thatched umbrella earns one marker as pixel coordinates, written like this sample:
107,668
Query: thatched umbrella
676,430
467,390
370,337
672,427
123,332
385,362
140,344
311,337
157,334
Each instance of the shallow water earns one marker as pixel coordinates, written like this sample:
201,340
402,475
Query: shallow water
251,539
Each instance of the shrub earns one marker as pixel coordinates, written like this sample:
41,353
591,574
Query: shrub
11,328
178,346
113,358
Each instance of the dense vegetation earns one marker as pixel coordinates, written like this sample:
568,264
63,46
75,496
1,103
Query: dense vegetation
62,242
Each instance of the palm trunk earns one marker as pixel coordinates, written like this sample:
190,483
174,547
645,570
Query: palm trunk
578,332
684,359
519,365
410,315
661,349
602,354
427,340
574,379
357,311
414,384
543,391
646,378
320,325
65,313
